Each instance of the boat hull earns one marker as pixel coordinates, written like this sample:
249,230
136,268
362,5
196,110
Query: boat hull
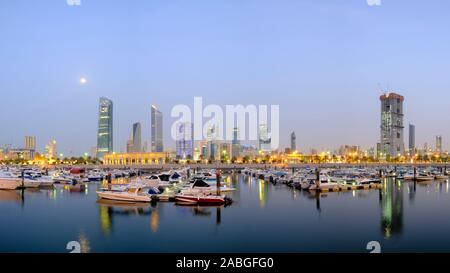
123,196
46,184
95,178
10,183
218,200
441,177
31,184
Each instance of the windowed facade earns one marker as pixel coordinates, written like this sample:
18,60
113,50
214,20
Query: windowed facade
135,159
105,128
392,143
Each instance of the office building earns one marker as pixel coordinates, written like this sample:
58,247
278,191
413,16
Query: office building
439,144
264,139
50,150
412,139
157,130
137,137
30,143
185,140
293,142
105,128
235,144
391,129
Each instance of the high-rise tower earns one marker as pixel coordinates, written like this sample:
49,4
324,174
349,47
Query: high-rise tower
105,128
392,142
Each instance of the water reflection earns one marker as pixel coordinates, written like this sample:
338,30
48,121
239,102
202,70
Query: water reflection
391,204
205,211
105,219
218,216
105,225
84,243
108,210
8,196
154,221
262,189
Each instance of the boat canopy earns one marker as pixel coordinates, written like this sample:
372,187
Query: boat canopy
153,190
200,184
164,177
77,170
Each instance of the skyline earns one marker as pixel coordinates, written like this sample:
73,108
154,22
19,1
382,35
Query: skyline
261,52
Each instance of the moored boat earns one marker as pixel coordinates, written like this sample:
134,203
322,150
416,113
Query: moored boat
132,194
201,199
9,182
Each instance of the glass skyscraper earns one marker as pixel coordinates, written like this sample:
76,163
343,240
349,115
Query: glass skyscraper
157,130
235,144
412,139
264,139
439,144
137,142
293,142
185,140
392,142
105,128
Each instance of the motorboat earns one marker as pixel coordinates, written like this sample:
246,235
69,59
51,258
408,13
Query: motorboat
200,186
207,176
409,176
202,199
95,176
46,181
368,181
37,179
423,177
31,183
325,183
9,182
171,177
62,179
440,176
132,194
150,181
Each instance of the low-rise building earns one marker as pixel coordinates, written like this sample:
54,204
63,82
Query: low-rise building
135,159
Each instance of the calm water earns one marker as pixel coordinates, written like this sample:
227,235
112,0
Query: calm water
263,218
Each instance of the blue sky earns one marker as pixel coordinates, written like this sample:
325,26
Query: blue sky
321,60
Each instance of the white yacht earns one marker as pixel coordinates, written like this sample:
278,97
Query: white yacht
9,182
132,194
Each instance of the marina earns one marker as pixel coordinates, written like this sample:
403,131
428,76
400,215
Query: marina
259,210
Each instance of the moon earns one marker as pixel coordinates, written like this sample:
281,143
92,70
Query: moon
83,80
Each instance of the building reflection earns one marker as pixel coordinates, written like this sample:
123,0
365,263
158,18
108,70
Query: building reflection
391,202
154,221
105,219
84,244
262,191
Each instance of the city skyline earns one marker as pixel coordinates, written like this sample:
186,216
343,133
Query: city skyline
246,60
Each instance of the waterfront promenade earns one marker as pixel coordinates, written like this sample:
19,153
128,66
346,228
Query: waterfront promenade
229,167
